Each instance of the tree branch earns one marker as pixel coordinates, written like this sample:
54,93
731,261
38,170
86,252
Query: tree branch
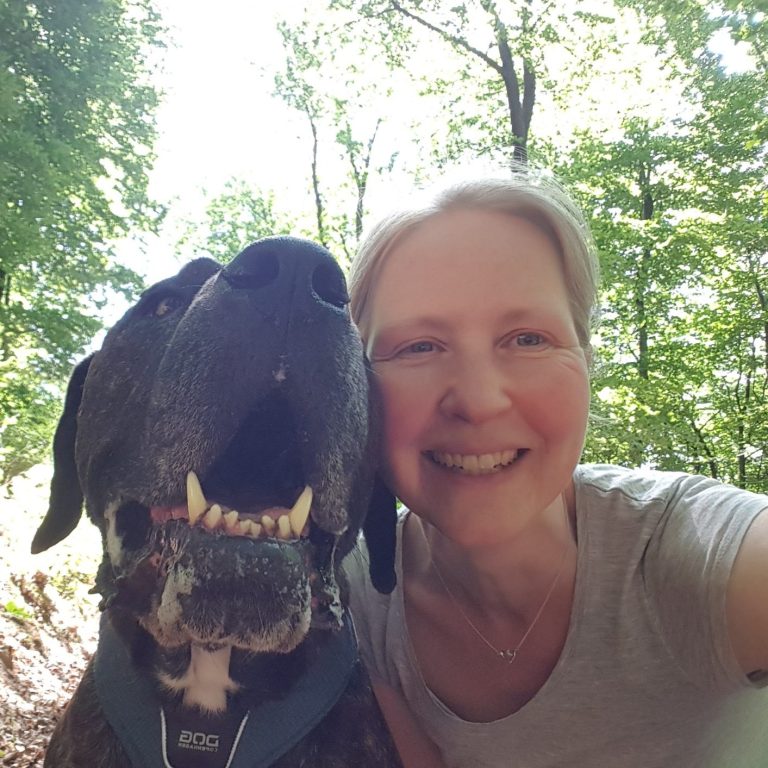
319,210
453,39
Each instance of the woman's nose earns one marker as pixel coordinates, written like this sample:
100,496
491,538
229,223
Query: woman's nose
477,392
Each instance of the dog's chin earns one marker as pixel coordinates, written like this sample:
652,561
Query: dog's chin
190,586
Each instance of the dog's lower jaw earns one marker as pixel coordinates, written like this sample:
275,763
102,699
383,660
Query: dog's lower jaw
206,683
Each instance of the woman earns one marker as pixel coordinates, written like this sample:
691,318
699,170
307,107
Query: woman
546,613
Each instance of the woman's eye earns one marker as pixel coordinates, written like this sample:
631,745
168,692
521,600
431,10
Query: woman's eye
421,346
418,348
529,339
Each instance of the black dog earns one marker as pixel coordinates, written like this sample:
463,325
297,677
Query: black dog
224,640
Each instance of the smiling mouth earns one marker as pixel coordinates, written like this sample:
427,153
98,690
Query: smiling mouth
476,464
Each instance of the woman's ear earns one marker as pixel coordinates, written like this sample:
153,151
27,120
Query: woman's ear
380,530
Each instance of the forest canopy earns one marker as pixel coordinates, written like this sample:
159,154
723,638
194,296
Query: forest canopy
654,113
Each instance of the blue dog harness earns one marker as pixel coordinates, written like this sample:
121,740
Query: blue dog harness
153,738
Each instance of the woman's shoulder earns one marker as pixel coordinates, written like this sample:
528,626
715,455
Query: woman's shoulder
668,492
638,484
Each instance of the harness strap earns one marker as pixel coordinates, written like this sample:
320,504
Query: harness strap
256,740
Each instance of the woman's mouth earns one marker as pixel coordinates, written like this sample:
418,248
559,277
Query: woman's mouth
476,464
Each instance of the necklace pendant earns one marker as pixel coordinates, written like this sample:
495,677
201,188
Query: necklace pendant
508,654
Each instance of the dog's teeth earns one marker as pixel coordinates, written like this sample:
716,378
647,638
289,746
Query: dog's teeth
250,528
230,521
212,517
300,512
269,524
283,527
196,502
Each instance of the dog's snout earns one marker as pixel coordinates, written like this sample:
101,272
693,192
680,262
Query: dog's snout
289,269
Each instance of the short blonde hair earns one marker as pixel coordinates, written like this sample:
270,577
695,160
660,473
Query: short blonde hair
528,194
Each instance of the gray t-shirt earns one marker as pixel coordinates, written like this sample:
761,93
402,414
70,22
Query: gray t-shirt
647,677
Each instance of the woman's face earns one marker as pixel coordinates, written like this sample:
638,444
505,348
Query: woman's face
484,384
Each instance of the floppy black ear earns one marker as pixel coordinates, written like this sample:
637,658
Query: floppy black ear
380,530
66,502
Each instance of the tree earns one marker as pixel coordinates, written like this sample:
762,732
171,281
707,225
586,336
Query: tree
233,219
75,146
679,212
669,166
501,52
335,98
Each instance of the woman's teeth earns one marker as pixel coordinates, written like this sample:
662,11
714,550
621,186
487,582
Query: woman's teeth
475,464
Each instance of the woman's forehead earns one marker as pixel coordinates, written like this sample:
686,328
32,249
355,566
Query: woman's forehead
477,243
471,262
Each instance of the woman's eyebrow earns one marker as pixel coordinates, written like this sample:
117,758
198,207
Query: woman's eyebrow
431,323
410,324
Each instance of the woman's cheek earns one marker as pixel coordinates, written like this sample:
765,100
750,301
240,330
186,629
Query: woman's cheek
405,401
555,396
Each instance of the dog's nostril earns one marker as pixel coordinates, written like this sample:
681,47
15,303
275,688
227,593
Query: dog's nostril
328,283
262,269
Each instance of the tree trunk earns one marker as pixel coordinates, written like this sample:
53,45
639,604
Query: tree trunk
520,111
642,287
319,209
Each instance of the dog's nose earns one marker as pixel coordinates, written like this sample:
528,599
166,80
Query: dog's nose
291,270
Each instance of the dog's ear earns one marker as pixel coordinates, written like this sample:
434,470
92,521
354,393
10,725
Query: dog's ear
380,530
66,502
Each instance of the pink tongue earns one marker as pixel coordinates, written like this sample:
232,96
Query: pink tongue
164,514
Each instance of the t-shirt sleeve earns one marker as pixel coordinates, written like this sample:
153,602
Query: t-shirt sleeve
686,567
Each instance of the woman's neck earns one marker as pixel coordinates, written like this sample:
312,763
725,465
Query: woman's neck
509,576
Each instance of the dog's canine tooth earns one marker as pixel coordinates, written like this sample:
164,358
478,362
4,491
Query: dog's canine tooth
230,521
195,499
212,517
300,511
283,527
268,523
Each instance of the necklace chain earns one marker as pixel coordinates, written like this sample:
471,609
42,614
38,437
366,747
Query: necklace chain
507,654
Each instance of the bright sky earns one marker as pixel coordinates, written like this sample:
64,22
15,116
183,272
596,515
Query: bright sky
218,118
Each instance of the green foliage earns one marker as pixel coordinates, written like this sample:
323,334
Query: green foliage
233,219
75,146
17,611
493,60
331,89
679,214
670,167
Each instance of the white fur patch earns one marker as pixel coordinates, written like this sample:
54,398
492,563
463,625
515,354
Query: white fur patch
114,542
206,682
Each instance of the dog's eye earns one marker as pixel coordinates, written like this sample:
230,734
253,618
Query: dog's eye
167,304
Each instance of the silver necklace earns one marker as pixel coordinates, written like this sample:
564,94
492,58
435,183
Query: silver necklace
507,654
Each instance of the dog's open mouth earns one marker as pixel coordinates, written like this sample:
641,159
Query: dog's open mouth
275,521
255,489
238,558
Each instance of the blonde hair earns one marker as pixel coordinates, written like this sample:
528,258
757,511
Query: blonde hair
528,194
